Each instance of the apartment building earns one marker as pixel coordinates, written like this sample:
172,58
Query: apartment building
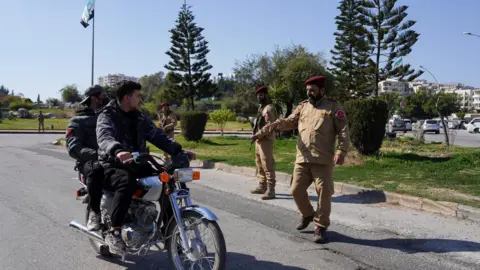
112,79
395,86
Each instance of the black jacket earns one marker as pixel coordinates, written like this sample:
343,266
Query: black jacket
116,132
81,138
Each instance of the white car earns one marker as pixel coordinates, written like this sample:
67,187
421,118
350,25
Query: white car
431,126
474,126
408,124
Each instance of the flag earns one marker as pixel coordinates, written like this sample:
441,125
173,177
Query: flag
397,63
87,14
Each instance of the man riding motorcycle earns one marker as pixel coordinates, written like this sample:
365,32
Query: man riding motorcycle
82,146
121,129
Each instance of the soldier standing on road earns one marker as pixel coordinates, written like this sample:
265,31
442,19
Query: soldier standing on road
319,120
264,146
167,122
41,120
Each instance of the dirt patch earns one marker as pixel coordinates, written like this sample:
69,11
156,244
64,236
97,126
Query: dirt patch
353,161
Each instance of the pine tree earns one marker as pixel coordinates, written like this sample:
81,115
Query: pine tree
38,99
351,53
391,37
188,65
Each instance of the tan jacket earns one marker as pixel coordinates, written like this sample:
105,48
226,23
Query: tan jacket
318,128
168,123
266,115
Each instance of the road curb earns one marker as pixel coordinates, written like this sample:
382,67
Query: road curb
369,195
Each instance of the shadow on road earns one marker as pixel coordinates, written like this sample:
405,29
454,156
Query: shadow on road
159,260
410,245
366,197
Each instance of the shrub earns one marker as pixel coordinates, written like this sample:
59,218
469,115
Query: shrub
367,119
221,117
193,125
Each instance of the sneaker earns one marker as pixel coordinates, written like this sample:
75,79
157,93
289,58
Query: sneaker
115,242
94,220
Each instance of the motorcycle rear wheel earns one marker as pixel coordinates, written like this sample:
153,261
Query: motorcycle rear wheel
174,247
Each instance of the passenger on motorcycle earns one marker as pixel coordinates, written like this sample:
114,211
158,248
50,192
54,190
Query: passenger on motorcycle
82,146
121,129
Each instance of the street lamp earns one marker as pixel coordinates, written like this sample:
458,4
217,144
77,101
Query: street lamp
447,140
470,34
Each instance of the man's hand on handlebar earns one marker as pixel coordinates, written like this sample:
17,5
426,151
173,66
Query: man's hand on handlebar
123,156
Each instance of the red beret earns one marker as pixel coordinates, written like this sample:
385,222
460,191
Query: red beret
261,89
163,104
317,80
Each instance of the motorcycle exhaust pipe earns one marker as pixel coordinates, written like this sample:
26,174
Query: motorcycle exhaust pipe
81,228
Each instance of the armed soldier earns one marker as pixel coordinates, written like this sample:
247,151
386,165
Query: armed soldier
319,120
264,146
167,123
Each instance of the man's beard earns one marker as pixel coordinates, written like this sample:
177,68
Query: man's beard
313,99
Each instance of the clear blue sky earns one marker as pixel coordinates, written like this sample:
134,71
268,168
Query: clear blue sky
43,46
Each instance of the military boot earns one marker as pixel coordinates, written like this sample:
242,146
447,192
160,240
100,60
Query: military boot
261,189
304,222
270,193
319,236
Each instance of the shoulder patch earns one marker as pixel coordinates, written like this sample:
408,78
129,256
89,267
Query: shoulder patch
332,99
340,114
69,133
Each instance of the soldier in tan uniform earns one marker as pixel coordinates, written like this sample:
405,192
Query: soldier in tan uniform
319,121
167,122
264,146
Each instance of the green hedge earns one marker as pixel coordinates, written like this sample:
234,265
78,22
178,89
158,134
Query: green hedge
367,119
193,125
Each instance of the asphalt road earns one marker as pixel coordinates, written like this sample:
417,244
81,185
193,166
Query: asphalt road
460,137
37,202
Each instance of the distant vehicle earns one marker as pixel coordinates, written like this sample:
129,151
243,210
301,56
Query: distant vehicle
395,125
408,124
456,124
474,126
431,126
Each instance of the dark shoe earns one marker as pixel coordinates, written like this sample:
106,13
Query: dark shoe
270,193
115,242
304,222
319,235
259,190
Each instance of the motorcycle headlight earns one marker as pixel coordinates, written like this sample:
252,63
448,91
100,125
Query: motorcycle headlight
186,175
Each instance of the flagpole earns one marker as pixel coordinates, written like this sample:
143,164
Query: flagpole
93,44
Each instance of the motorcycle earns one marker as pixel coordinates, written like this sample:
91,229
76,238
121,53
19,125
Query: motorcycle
161,212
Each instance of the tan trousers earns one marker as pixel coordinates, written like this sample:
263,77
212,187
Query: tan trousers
265,162
322,175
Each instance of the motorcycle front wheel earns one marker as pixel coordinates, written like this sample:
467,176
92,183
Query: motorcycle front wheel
200,257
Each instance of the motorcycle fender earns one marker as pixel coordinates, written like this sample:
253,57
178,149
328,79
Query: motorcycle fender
205,212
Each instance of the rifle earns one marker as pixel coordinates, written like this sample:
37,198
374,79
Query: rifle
251,143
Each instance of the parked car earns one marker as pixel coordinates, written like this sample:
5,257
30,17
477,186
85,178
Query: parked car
474,126
431,126
395,125
457,124
408,124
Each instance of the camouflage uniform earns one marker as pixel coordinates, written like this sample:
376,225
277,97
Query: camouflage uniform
168,123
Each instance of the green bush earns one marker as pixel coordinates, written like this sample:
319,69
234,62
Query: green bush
193,125
367,119
221,117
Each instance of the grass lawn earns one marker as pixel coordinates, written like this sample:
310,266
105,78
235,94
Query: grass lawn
61,123
230,126
32,124
427,170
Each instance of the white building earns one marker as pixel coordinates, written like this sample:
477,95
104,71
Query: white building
112,79
476,100
465,96
394,86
